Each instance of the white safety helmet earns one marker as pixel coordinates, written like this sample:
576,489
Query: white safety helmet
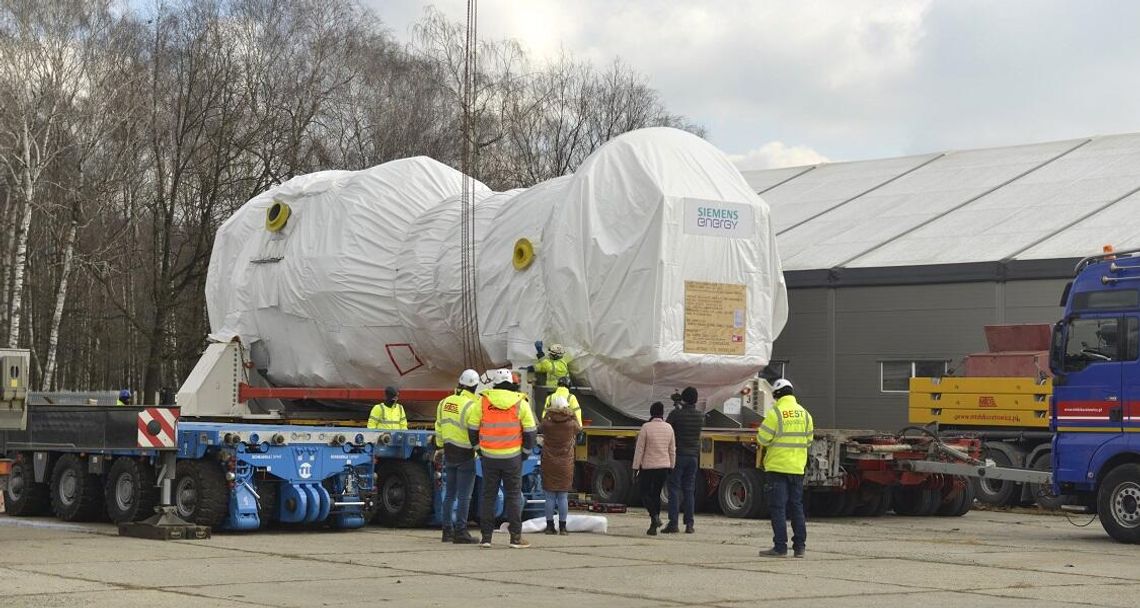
559,403
469,378
782,383
498,376
557,349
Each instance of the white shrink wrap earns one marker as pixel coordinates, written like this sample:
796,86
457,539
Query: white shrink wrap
317,300
615,244
367,290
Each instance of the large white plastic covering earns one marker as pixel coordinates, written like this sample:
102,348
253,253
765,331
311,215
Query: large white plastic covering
362,287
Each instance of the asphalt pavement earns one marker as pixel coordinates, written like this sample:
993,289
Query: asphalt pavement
981,559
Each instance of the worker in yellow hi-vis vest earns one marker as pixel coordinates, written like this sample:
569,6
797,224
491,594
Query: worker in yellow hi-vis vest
388,415
786,435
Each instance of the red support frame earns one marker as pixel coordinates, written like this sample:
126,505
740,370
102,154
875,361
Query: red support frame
374,395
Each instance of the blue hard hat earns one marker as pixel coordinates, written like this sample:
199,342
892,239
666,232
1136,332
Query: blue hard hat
125,393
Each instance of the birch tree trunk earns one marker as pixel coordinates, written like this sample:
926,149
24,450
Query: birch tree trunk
25,226
57,315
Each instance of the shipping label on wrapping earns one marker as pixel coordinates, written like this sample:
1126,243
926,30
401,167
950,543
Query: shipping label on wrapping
718,218
715,316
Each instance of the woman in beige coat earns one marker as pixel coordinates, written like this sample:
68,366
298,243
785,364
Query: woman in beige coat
653,460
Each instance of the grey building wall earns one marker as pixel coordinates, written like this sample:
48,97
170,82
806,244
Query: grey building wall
837,337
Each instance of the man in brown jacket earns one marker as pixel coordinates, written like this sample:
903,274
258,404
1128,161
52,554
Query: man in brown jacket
653,460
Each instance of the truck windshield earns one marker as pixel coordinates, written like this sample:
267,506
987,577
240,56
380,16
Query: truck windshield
1091,341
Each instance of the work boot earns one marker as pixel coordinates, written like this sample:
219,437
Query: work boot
550,527
562,529
485,543
773,553
798,552
518,542
689,529
653,525
463,537
447,535
671,528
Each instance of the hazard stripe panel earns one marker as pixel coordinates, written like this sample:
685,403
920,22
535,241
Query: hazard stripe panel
156,427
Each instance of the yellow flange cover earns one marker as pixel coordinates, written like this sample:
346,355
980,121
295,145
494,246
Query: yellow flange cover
276,216
523,255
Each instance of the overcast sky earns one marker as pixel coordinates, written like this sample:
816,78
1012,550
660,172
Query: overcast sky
798,81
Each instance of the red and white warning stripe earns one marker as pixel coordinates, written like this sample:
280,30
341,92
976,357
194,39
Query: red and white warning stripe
156,427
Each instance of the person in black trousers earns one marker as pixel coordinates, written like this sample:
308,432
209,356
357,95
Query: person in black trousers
653,459
687,422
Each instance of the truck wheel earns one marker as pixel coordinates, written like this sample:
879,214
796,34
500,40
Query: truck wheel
997,492
76,495
958,500
200,492
1043,493
613,483
916,500
405,494
1118,503
741,494
23,497
130,491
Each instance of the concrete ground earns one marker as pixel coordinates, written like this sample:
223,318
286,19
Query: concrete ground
982,559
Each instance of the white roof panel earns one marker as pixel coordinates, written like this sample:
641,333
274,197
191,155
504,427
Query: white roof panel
1023,213
762,179
998,204
831,185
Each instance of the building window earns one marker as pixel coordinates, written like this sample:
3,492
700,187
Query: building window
895,375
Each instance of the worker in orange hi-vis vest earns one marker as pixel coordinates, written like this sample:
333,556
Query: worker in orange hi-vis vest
503,426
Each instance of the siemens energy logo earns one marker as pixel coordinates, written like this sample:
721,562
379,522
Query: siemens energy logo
718,218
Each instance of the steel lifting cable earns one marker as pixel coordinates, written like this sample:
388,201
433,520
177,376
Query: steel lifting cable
472,350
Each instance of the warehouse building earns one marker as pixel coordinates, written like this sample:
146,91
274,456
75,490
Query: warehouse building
895,265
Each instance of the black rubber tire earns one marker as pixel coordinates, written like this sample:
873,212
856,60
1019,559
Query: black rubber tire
1043,494
916,501
612,483
23,497
404,494
129,491
1118,503
873,500
76,495
957,500
741,494
201,494
994,492
829,504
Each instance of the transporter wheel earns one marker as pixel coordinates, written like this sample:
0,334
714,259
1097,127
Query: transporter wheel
958,499
76,495
999,492
613,483
1043,493
23,497
130,491
404,494
1118,503
873,500
741,494
829,504
201,495
916,500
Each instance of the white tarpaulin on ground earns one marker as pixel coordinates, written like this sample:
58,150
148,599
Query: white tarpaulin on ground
655,264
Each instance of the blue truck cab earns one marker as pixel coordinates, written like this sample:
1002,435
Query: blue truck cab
1095,359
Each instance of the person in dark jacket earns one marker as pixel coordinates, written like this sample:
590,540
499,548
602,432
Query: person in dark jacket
688,422
559,434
